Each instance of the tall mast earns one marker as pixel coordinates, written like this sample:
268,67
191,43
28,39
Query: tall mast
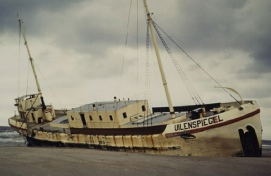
171,110
31,61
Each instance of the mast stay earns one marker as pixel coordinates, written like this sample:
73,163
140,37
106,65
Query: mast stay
196,98
31,62
149,19
194,95
219,85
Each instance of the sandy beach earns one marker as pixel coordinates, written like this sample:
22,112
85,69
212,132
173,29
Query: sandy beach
73,161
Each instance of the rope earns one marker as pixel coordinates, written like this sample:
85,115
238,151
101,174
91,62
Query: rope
195,97
22,114
19,56
126,39
147,71
137,49
27,79
196,62
43,77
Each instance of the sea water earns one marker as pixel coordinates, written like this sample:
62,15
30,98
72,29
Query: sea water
8,137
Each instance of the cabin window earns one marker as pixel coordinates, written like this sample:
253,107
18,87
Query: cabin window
90,118
100,117
143,108
83,119
40,120
22,115
124,115
33,116
72,118
110,117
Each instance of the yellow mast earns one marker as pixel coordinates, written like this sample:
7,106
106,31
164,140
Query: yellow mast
31,61
171,109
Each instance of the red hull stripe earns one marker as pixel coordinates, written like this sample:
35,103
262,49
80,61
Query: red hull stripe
215,125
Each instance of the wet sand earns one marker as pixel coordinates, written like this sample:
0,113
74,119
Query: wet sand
73,161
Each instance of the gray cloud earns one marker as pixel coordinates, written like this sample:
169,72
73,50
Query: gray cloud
215,26
28,10
212,25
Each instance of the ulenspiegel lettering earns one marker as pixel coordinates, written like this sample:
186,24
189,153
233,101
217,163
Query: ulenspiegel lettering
197,123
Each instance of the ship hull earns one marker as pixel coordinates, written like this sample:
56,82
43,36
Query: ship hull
234,134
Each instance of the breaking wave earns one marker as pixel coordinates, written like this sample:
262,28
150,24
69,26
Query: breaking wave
8,137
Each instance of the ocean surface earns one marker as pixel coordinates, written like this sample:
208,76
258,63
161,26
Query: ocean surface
8,137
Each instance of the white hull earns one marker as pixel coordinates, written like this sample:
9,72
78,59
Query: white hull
218,137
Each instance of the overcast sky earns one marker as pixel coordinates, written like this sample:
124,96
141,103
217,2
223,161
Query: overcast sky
79,49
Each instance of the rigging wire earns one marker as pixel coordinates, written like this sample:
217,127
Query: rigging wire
25,43
28,65
147,74
147,69
126,40
43,77
195,97
19,63
27,78
19,56
137,47
149,51
196,62
22,115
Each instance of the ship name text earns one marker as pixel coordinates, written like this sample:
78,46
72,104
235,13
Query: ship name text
197,123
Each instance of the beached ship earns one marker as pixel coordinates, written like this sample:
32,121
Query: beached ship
218,129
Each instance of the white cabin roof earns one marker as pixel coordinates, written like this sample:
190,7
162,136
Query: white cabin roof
104,106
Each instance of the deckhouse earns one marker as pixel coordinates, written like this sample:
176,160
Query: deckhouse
110,114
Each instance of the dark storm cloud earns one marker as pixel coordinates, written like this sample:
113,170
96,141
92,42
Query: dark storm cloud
261,52
215,26
210,26
86,27
102,28
82,26
28,10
